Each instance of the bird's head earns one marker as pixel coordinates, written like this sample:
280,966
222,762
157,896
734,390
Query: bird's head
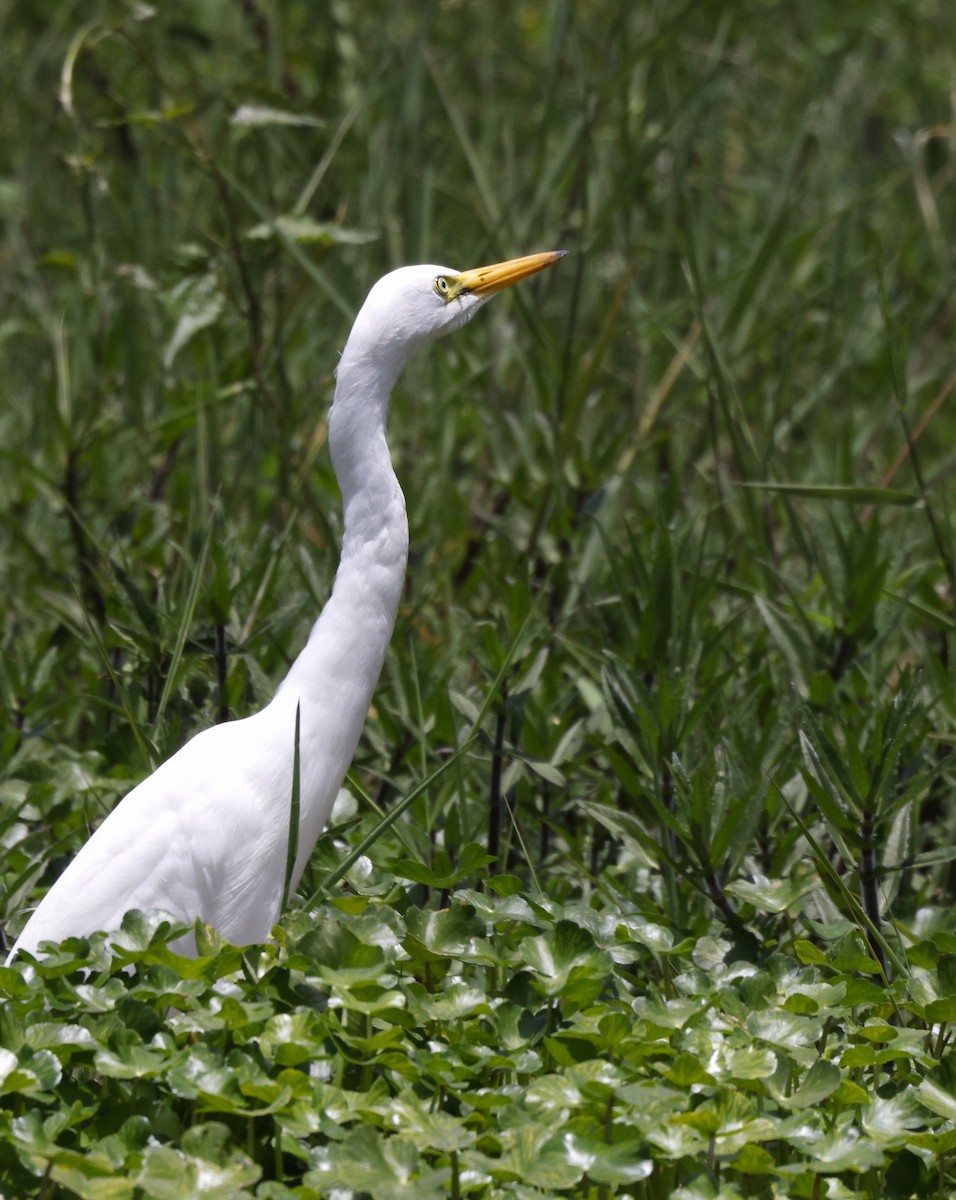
413,305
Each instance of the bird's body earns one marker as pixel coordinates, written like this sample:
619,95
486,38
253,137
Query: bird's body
207,834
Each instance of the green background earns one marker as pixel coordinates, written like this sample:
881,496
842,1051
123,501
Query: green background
682,560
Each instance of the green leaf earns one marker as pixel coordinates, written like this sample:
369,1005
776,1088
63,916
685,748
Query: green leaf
388,1168
773,895
341,958
456,1001
207,1166
807,952
617,1165
429,1130
686,1070
848,493
937,1099
646,932
860,992
504,885
797,1002
851,954
566,963
670,1014
887,1120
31,1073
754,1160
850,1093
751,1062
535,1156
817,1084
304,231
793,1033
196,303
127,1058
443,933
843,1149
443,874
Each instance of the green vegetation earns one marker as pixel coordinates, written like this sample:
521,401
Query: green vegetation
678,922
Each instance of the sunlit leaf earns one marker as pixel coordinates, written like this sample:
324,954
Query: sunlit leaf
566,963
389,1168
195,303
260,115
207,1167
816,1084
936,1099
617,1164
306,231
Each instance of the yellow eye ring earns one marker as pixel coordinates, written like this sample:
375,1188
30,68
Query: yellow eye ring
442,287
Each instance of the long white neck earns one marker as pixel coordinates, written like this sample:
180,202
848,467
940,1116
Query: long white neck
333,679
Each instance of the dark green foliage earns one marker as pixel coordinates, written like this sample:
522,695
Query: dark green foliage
645,887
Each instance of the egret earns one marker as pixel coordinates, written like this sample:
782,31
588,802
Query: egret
207,834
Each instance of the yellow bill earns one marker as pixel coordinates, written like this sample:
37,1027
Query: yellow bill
485,281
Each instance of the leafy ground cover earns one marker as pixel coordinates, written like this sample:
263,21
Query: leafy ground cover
644,883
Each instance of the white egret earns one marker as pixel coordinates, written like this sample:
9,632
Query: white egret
207,834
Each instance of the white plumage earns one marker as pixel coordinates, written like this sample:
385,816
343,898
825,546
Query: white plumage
206,835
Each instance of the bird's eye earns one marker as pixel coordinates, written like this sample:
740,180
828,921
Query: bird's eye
442,287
